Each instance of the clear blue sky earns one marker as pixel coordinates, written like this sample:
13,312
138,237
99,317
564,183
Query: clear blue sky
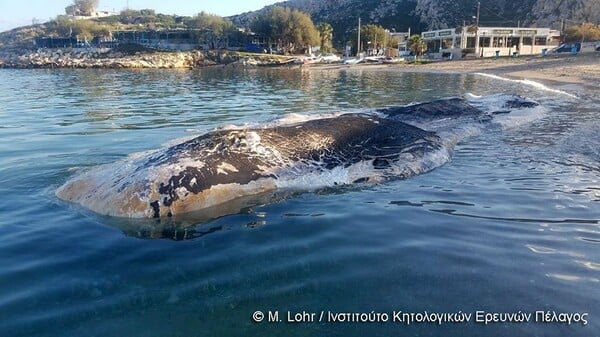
21,12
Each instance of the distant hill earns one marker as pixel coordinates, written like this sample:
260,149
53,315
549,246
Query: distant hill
436,14
343,15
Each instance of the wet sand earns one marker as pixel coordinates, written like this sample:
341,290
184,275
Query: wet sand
582,70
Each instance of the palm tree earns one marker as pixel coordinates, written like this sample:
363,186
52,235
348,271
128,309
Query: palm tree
417,45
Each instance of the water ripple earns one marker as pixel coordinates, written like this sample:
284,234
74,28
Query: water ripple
513,218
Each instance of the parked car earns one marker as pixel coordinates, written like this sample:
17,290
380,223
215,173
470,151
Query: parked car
567,48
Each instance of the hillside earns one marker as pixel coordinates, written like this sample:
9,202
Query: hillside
61,26
343,15
21,37
436,14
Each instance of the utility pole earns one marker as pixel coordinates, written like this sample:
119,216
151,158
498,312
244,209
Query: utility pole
407,40
385,32
358,45
477,29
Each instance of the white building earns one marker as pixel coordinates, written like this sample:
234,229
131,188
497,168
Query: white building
493,41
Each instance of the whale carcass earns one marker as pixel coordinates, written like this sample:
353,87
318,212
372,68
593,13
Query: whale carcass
224,165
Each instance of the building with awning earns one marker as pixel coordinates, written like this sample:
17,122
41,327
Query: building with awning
493,41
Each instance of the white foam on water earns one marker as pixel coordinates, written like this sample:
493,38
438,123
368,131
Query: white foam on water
530,83
230,127
515,116
140,154
519,117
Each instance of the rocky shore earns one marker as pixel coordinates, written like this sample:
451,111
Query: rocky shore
115,59
582,69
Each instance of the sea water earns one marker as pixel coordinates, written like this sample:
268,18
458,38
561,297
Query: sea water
509,227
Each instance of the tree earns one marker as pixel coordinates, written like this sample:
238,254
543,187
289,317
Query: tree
214,23
304,33
373,34
417,45
291,29
213,28
583,32
87,7
326,35
82,7
83,29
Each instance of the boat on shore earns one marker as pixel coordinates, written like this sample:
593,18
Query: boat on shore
330,58
353,61
308,60
392,60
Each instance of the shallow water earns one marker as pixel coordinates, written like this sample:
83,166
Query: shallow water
511,223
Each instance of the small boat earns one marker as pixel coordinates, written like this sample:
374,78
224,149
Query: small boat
374,59
330,58
311,60
353,61
307,60
392,60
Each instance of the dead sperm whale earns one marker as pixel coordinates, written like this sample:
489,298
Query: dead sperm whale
224,165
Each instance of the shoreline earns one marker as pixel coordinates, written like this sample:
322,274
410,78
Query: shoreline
581,70
578,71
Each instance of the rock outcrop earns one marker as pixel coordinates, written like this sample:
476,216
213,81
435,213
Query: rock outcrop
98,58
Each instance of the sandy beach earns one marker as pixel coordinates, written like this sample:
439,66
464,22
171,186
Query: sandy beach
580,71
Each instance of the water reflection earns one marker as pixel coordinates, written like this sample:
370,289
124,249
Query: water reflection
83,278
129,99
197,224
